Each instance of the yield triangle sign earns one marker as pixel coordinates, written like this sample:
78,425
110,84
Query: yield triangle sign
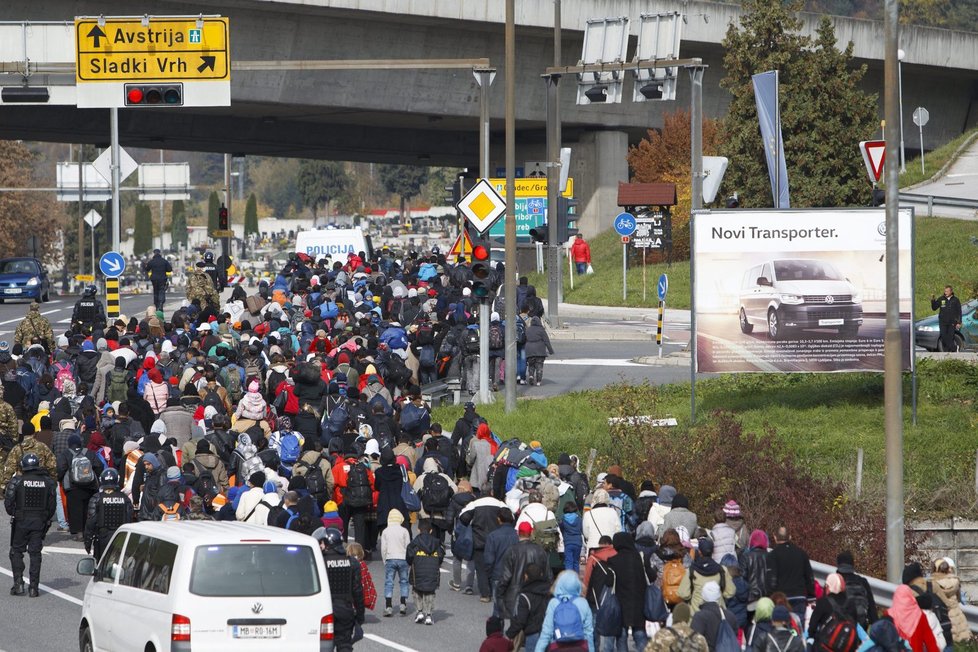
874,156
462,246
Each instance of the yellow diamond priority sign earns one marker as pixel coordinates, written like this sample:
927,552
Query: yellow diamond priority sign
482,206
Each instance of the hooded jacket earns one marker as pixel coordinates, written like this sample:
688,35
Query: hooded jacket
531,609
425,555
601,520
567,587
663,505
628,578
948,588
702,570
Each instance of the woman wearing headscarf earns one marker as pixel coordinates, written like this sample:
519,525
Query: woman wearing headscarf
481,451
833,601
252,406
156,392
388,480
947,587
757,636
753,567
567,587
910,621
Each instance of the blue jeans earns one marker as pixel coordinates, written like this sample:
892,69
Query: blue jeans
59,512
620,644
530,642
581,268
399,566
572,557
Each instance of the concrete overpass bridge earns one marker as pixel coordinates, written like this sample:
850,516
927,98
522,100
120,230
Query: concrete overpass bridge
429,117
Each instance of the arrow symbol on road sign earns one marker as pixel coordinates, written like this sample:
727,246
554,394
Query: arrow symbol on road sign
113,265
208,62
95,34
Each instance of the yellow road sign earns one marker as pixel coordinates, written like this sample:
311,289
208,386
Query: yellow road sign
170,49
226,233
85,278
530,187
462,246
482,206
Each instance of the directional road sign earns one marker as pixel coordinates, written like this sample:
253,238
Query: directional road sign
192,53
482,206
112,264
625,224
92,218
663,287
874,156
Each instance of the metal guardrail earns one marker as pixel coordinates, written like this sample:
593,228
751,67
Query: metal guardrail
933,200
883,592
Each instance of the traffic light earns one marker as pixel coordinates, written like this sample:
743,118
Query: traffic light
452,193
540,233
480,270
565,214
154,94
222,218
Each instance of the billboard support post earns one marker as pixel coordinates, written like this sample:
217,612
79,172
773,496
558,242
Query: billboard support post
692,317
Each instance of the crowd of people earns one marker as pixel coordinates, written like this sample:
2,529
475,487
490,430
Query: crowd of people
301,407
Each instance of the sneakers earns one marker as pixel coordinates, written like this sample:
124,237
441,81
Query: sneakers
403,609
485,598
32,591
388,612
428,620
454,586
17,589
468,591
419,618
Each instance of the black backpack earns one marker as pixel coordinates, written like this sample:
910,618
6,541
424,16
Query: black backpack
358,492
205,483
425,335
315,482
213,399
471,341
398,375
857,597
436,494
937,606
497,337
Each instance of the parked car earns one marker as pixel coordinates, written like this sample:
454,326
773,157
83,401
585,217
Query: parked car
790,294
927,333
202,585
23,278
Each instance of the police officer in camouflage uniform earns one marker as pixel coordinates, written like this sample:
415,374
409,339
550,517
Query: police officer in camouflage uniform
34,325
345,585
88,311
200,286
28,444
29,499
9,430
108,510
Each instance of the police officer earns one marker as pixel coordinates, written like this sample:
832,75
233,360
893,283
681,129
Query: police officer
29,499
948,318
209,267
107,511
159,271
88,310
345,586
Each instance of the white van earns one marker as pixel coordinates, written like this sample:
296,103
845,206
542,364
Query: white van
334,243
206,585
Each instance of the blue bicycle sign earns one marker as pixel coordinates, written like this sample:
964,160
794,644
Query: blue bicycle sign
625,224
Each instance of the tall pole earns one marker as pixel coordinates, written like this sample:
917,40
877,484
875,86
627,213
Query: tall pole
484,77
116,181
81,210
558,58
510,278
696,202
226,240
161,206
903,150
554,268
892,351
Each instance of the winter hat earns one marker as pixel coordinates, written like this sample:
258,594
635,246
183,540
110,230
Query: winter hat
680,500
395,517
601,477
331,510
158,427
645,530
129,447
705,546
681,613
412,293
152,460
600,496
4,346
387,457
86,346
731,509
253,386
525,529
834,583
372,449
62,342
666,493
758,539
780,614
257,479
67,424
173,473
203,447
711,592
536,445
728,560
74,441
564,459
494,316
269,487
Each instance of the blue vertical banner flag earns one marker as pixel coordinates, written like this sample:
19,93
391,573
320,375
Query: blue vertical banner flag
769,116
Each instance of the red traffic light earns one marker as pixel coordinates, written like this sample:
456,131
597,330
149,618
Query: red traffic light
222,218
154,94
134,96
480,253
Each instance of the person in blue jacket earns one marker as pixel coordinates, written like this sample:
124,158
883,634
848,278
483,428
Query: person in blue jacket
567,587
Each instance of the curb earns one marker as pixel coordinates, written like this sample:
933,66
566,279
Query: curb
672,360
602,335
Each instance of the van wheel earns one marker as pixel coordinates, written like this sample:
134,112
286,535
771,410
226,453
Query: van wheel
774,329
150,648
85,641
745,326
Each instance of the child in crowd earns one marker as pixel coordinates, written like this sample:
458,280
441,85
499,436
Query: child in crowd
393,550
571,530
425,555
354,549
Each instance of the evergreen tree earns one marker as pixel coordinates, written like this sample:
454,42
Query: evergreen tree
213,206
178,224
320,182
405,181
251,215
142,239
824,113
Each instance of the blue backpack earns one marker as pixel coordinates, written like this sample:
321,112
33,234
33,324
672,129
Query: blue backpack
337,420
415,420
329,310
288,448
463,545
567,621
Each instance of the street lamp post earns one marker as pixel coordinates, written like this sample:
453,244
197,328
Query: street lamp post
903,152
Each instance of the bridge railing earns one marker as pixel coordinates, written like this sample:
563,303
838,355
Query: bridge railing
883,592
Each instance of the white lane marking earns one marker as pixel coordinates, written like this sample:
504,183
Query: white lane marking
390,644
594,362
50,312
47,589
64,551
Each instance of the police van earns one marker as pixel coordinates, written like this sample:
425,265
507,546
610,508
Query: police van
206,585
334,244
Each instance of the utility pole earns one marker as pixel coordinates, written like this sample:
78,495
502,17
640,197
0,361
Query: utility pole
116,178
554,267
696,202
81,209
892,345
509,280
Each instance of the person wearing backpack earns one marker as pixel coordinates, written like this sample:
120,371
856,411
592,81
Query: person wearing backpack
435,489
315,468
354,494
782,637
288,444
858,591
678,637
715,622
531,607
628,579
79,470
206,463
701,572
568,621
910,620
831,612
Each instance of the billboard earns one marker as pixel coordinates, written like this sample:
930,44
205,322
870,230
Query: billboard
785,291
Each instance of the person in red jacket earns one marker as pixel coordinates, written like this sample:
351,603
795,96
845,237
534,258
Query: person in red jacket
581,251
495,641
911,622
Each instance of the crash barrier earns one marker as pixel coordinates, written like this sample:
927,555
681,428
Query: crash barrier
883,592
439,392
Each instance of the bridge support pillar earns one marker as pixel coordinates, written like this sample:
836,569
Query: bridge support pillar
598,164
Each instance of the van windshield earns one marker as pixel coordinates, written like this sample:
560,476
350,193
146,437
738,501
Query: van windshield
806,270
251,570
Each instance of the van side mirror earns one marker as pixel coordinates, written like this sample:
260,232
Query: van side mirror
763,280
86,566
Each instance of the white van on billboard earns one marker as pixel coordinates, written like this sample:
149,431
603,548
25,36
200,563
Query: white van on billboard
796,290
